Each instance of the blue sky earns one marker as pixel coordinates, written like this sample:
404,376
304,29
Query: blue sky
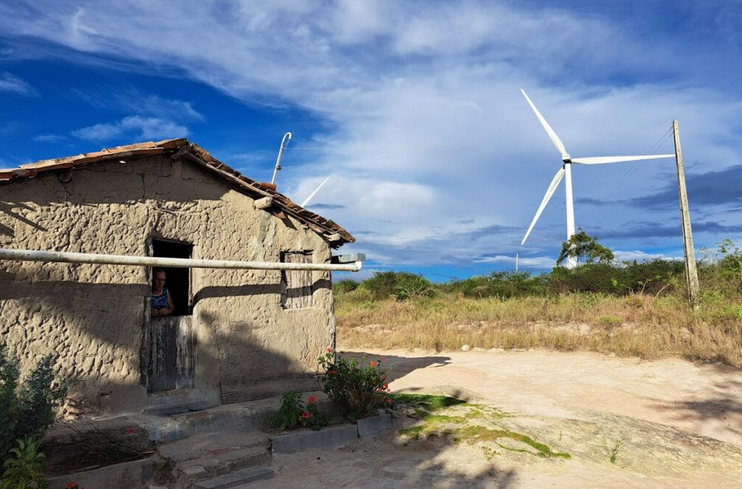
413,109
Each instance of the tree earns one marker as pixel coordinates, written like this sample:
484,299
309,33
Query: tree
585,248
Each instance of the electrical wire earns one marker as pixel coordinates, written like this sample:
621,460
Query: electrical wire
626,176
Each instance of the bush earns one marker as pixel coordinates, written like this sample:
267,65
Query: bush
505,284
355,390
344,286
400,285
27,410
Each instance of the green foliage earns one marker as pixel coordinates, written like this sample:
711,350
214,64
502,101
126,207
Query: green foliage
505,284
400,285
317,419
344,286
23,468
357,391
585,248
9,373
293,412
28,409
430,402
289,414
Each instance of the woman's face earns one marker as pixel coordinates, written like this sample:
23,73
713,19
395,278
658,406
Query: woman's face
159,280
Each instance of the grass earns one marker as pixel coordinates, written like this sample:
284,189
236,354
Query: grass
638,325
471,423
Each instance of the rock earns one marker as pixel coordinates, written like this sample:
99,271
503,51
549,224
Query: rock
465,348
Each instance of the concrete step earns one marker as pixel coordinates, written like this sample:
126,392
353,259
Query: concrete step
218,464
205,445
240,479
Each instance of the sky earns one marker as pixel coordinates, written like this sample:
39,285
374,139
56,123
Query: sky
413,109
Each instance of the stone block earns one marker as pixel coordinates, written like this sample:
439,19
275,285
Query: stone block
331,437
374,425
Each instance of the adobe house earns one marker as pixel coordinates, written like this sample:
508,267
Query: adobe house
236,334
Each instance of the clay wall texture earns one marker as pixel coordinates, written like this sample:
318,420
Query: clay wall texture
93,316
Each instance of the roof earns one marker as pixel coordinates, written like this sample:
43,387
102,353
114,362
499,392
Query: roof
184,149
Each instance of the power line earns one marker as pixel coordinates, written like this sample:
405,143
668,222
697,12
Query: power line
626,176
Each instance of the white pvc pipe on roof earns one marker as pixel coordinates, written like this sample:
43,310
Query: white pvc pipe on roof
156,261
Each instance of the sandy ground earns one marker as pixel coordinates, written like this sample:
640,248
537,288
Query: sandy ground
670,423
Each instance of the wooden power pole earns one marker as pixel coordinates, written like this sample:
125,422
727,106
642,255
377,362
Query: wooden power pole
691,273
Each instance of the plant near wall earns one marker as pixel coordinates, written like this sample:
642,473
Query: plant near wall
356,390
293,412
26,409
23,469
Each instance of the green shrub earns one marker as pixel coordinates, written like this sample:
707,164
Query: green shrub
344,286
505,284
28,409
400,285
23,468
356,391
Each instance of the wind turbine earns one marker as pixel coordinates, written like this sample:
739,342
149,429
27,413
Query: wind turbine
566,171
311,196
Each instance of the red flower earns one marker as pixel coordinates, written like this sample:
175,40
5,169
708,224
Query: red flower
329,350
374,364
305,415
71,485
386,386
389,400
311,400
130,431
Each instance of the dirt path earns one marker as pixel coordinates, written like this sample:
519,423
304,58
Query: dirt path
668,423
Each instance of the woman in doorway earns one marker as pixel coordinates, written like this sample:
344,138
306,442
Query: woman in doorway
162,304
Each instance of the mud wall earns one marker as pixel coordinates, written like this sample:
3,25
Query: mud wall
93,316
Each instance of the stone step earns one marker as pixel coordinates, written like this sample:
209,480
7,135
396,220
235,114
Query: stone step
239,479
221,464
204,445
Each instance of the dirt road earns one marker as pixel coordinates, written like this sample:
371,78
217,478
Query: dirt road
624,422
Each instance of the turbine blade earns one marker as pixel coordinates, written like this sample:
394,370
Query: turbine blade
599,160
549,192
554,138
306,201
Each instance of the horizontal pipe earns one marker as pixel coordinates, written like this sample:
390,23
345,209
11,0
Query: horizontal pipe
156,261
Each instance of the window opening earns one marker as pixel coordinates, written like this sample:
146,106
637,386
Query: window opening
178,280
296,285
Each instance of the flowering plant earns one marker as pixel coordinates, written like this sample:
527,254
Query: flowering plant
293,412
357,391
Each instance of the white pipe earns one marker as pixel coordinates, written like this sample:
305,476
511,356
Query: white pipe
284,143
156,261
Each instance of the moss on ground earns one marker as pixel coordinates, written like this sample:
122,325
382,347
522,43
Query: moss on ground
458,421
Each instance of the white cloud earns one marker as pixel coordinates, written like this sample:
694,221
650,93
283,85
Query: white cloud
641,256
534,262
142,128
133,101
13,84
49,138
429,126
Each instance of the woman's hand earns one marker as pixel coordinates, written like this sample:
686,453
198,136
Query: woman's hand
155,313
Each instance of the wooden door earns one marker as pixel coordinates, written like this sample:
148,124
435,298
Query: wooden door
172,358
296,285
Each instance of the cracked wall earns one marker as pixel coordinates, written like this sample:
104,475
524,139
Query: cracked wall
93,316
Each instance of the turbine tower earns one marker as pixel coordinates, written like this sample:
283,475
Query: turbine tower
565,172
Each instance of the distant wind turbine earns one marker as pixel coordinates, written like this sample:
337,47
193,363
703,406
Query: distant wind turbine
311,196
566,171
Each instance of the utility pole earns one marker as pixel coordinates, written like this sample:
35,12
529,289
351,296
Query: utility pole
691,273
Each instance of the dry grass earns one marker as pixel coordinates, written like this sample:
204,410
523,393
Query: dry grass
637,325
